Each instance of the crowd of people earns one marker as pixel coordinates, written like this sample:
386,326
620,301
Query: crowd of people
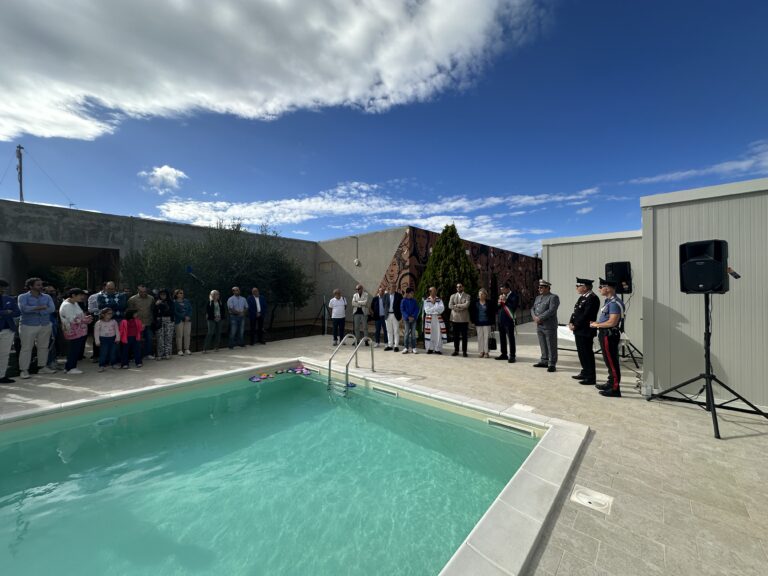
389,310
133,327
124,327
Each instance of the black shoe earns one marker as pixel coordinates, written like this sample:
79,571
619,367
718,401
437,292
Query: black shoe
5,380
397,349
430,351
438,352
262,342
604,386
502,357
366,343
455,353
512,360
611,393
540,365
388,348
579,376
551,369
588,382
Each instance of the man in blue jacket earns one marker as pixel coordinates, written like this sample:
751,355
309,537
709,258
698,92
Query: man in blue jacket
507,305
35,331
257,311
9,311
410,311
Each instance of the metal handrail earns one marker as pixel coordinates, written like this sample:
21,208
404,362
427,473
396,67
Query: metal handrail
335,351
354,355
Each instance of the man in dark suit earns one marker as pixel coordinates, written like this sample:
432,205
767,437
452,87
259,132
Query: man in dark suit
257,311
585,312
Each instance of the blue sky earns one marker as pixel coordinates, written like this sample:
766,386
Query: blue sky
518,120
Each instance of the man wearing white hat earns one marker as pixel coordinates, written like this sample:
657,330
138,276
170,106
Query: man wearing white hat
544,314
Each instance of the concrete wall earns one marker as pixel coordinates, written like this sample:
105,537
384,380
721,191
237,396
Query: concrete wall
674,321
336,262
585,257
24,223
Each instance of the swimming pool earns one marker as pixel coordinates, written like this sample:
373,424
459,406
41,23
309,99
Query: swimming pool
274,477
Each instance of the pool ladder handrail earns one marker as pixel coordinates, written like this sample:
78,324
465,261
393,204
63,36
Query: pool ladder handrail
364,339
338,347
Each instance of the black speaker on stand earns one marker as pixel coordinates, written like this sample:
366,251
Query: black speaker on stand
621,273
704,270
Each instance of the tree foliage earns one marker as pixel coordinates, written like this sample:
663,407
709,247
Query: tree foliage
447,265
227,255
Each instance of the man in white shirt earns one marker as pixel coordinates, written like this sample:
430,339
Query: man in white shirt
360,313
238,308
338,307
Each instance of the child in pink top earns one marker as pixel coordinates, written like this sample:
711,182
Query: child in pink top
130,338
104,336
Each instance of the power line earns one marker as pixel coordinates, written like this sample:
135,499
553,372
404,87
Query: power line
71,204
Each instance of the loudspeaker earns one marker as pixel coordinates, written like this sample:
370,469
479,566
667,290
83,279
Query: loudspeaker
704,267
621,273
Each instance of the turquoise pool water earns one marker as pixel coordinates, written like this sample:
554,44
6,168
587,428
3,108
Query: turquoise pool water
271,478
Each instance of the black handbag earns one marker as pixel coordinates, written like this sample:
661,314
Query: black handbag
491,342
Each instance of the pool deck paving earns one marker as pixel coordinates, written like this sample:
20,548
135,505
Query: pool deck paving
684,503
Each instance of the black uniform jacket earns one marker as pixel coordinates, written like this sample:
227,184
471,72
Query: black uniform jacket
585,311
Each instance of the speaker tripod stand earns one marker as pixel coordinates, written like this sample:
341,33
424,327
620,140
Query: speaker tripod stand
708,377
626,348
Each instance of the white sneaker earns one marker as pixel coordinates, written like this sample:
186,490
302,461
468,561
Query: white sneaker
181,353
188,352
74,371
335,343
376,345
150,357
46,370
24,374
413,351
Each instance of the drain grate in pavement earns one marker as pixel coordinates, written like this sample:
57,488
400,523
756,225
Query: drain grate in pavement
592,499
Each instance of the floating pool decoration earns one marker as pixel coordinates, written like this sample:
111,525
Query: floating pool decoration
255,378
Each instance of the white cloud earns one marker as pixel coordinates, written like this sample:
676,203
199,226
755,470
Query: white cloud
300,232
87,65
164,179
585,210
354,206
753,163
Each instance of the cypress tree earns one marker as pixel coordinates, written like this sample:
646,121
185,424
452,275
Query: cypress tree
447,265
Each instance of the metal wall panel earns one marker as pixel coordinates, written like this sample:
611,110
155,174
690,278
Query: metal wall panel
586,258
674,331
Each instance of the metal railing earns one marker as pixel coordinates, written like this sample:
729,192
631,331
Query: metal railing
336,351
367,340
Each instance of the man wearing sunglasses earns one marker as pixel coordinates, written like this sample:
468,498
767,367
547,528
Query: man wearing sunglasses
544,314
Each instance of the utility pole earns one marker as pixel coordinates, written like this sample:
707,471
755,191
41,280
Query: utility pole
20,170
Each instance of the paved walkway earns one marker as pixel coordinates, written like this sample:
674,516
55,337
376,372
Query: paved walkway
684,503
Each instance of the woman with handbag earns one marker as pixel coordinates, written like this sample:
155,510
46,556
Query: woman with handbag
482,313
74,327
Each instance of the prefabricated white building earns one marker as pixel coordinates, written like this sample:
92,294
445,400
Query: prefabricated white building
672,322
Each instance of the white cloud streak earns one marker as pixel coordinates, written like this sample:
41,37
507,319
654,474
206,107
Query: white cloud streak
753,163
361,205
585,210
87,65
163,179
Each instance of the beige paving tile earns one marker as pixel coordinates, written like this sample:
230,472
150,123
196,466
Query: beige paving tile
629,542
572,565
575,542
616,561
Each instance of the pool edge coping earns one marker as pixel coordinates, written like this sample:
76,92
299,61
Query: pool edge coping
517,515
